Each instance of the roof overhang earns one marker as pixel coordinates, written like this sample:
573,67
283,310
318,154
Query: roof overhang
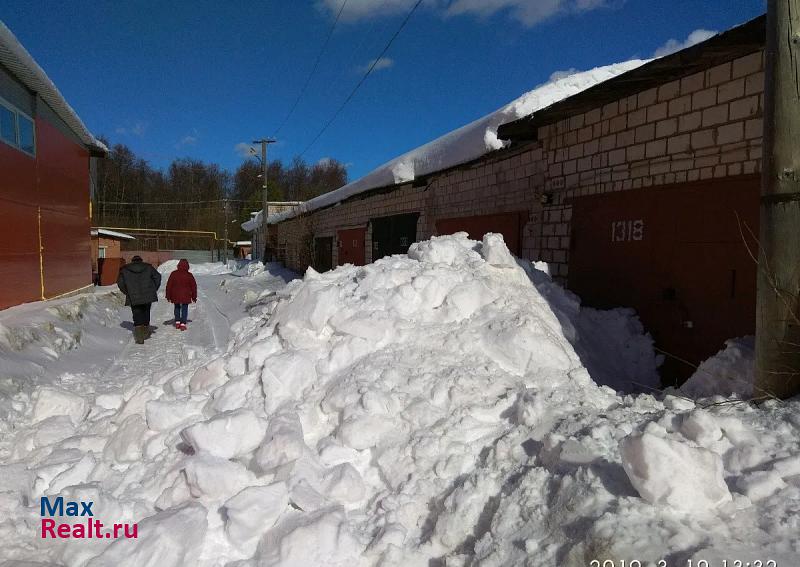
21,64
111,234
736,42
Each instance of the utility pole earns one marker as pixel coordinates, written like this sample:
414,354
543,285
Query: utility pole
265,207
777,314
225,236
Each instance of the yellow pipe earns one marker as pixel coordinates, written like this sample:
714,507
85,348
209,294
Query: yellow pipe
68,292
41,250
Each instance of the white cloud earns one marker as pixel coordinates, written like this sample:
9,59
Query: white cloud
382,63
187,141
363,9
138,129
673,45
528,12
244,150
324,162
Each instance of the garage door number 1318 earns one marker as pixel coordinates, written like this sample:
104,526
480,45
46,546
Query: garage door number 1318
627,230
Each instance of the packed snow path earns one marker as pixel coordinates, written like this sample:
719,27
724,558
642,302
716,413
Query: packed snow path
167,348
435,408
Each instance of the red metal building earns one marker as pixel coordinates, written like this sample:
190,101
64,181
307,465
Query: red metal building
45,181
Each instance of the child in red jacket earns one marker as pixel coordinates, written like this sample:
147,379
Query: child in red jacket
181,289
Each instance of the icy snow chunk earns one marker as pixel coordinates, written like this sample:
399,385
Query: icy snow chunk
285,376
368,431
172,538
283,442
452,250
135,404
788,466
215,477
344,484
495,251
108,401
163,415
252,511
760,484
17,479
261,350
227,435
208,377
51,402
287,544
701,427
469,297
235,393
729,372
309,310
125,444
76,474
48,431
236,365
670,472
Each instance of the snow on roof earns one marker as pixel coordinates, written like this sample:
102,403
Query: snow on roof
112,234
17,59
462,145
255,221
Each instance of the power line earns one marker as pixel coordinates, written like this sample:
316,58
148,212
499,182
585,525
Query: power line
313,70
170,202
364,78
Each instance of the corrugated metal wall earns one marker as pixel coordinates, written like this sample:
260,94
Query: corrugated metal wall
64,201
19,236
53,214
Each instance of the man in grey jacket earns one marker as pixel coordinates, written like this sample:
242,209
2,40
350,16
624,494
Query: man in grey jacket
139,281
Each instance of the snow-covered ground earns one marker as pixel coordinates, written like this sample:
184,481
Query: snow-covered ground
435,408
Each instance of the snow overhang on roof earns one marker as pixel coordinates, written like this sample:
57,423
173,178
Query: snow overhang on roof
16,59
465,144
111,234
255,222
559,98
726,46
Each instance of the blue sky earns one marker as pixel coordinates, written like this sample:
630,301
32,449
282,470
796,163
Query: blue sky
194,79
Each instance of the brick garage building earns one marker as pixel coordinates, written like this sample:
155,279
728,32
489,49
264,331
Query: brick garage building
640,191
45,170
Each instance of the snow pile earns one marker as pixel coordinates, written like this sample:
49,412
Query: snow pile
425,409
205,269
462,145
731,372
35,335
250,269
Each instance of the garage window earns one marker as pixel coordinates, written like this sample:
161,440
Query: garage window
26,143
8,128
16,129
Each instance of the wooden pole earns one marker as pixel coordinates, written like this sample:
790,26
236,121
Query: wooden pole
778,317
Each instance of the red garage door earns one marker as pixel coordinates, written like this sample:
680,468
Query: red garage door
351,246
677,256
507,224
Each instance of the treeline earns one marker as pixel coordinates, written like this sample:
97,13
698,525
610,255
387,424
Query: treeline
193,195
